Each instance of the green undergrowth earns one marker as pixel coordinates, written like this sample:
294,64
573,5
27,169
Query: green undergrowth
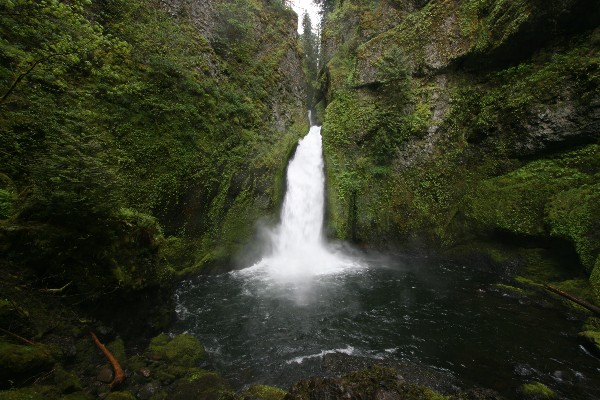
135,150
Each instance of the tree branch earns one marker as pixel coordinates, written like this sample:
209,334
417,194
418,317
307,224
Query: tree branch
119,374
574,299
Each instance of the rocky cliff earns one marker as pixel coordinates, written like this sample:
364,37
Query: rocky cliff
141,141
466,126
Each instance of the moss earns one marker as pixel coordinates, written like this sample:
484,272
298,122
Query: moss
537,390
263,392
183,350
120,396
510,288
569,217
202,384
578,287
22,361
593,338
517,201
117,347
199,374
371,383
31,393
595,280
66,382
529,282
6,203
76,396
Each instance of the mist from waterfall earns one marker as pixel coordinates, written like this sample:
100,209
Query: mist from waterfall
298,251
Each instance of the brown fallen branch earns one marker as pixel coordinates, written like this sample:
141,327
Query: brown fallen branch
574,299
22,339
55,291
119,374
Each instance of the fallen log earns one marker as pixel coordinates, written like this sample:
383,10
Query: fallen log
119,374
574,299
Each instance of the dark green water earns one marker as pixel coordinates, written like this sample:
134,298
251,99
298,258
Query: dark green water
447,318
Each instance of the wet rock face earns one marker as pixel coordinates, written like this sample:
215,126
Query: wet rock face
289,98
201,13
471,36
562,123
375,383
488,86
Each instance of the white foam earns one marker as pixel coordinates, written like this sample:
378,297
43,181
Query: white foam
349,350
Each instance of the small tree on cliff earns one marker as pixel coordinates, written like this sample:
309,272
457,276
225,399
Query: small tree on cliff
311,57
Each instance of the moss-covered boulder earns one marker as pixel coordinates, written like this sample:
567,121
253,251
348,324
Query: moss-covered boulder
263,392
569,215
120,396
595,280
66,381
516,202
30,393
182,350
536,391
202,385
76,396
375,382
19,362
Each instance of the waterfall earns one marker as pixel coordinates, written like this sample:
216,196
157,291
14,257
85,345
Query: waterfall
297,248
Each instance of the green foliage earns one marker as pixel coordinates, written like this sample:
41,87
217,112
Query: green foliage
497,109
393,74
121,122
235,23
517,201
310,46
22,361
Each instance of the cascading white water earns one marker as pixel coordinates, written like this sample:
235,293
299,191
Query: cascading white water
302,214
298,251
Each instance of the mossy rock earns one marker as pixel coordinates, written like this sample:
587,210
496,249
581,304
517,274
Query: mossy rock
120,396
117,348
571,216
537,391
76,396
578,287
22,361
516,202
30,393
263,392
595,280
65,381
202,385
183,350
372,383
592,324
511,289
